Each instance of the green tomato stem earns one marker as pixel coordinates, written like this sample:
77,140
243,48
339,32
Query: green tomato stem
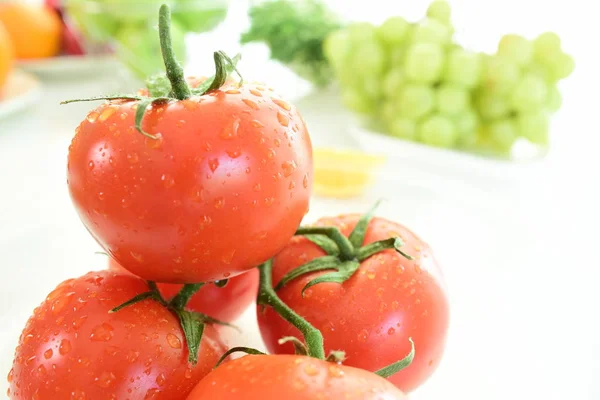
268,297
347,251
185,294
179,86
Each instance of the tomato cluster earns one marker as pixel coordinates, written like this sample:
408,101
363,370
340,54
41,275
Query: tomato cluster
197,192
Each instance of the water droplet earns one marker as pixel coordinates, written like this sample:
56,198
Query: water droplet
123,116
256,123
336,371
48,354
105,380
161,379
106,113
288,168
102,333
230,131
213,164
41,370
297,384
235,153
92,117
65,347
91,165
133,158
205,221
283,119
305,181
257,187
189,104
173,341
271,153
155,143
232,91
78,395
248,170
219,203
167,180
371,275
132,356
282,104
277,142
255,92
251,104
269,201
77,323
228,257
379,292
60,303
137,256
308,293
198,194
363,335
391,331
188,373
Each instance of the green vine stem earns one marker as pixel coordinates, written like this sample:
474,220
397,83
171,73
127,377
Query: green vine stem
268,297
179,86
185,294
346,248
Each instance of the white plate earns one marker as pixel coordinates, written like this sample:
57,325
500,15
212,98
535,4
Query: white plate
19,92
67,66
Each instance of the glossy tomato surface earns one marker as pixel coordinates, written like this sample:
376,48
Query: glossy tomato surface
372,315
73,348
221,190
223,303
291,377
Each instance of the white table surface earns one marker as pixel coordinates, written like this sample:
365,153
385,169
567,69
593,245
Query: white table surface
522,264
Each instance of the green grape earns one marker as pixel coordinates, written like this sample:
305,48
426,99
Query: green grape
546,46
466,124
463,67
396,56
554,99
388,112
530,93
516,49
534,127
392,82
431,31
337,47
500,75
491,106
438,130
451,99
424,62
415,101
359,32
403,128
393,31
368,58
439,10
372,86
540,70
502,134
561,67
356,101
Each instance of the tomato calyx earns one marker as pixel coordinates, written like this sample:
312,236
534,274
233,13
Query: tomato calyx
172,85
344,254
192,322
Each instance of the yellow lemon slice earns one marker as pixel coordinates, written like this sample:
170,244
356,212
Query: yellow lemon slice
343,173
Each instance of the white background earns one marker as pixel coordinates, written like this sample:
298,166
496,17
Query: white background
521,261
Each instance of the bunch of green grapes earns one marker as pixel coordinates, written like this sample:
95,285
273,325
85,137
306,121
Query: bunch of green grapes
414,82
518,90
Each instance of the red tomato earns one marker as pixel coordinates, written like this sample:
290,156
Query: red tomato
225,303
293,378
371,316
72,348
222,190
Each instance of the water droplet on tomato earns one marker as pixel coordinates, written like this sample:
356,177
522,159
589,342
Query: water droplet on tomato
255,92
189,104
219,203
78,395
11,375
292,185
65,347
106,113
48,354
102,333
391,331
231,130
257,187
256,123
198,194
91,165
92,117
235,153
308,293
213,164
271,153
251,104
282,104
232,91
133,158
77,323
336,371
41,370
161,379
288,168
105,380
173,341
310,370
188,373
283,119
228,257
137,256
305,181
60,303
269,201
167,180
277,142
248,170
205,221
363,335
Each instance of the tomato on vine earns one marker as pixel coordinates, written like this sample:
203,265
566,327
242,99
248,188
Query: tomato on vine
74,348
185,185
368,284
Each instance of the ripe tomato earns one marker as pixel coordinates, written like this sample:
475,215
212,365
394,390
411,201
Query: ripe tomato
72,348
293,378
223,303
371,316
221,191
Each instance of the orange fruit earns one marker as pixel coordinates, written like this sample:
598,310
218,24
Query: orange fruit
6,55
35,31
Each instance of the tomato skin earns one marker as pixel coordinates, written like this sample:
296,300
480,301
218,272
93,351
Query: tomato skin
220,192
72,348
225,304
372,315
293,378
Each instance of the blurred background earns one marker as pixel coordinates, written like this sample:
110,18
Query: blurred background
475,121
